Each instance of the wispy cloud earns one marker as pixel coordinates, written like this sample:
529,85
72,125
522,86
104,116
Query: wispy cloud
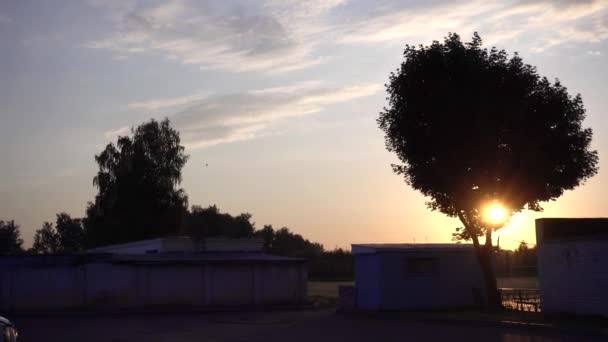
246,115
112,134
243,116
541,23
244,36
279,36
167,102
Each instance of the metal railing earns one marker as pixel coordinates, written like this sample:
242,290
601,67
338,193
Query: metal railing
521,299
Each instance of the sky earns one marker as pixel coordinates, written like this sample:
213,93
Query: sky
276,103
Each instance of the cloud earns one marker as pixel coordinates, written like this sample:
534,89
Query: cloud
245,36
112,134
246,115
166,102
542,24
280,36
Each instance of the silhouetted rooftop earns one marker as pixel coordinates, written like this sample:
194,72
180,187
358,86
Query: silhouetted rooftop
368,248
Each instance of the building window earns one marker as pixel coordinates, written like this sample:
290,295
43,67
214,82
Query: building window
422,266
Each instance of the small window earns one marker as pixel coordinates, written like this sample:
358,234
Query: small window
422,265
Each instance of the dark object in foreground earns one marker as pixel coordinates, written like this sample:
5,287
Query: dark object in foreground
8,332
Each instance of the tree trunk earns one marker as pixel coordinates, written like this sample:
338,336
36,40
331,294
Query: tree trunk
484,257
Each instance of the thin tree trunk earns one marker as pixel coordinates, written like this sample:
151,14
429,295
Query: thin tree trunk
484,257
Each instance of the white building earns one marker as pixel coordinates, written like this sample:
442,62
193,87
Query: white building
573,265
416,276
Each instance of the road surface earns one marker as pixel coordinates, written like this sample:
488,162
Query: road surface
314,326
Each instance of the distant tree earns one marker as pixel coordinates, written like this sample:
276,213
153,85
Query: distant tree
66,237
138,180
267,236
286,243
46,240
520,262
71,233
202,222
10,238
472,126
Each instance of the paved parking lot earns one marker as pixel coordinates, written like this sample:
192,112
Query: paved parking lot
263,326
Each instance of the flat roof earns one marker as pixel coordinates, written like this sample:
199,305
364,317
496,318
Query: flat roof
367,248
203,258
160,240
556,229
176,258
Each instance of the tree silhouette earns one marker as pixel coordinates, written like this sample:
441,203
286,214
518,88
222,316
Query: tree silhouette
472,126
137,181
46,240
10,238
66,237
202,222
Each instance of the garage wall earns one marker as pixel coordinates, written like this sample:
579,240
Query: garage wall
107,285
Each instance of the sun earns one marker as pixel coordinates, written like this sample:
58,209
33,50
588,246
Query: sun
495,213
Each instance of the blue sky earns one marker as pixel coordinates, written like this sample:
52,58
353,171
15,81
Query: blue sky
279,98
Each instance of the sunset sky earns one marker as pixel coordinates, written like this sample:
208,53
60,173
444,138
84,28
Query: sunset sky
278,98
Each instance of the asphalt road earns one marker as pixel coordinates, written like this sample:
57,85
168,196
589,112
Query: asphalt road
314,326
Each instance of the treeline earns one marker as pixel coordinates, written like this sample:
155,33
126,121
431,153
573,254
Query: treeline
68,235
521,262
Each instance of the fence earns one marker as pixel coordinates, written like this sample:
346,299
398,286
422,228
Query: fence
521,299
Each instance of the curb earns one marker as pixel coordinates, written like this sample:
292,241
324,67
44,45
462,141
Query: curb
515,325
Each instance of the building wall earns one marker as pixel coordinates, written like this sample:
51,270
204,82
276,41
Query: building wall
109,285
573,272
367,281
384,281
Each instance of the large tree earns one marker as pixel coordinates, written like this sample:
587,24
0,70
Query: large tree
472,127
138,181
10,238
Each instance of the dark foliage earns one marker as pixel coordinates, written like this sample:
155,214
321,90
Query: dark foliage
137,181
10,238
67,236
201,223
521,262
471,126
283,242
46,240
332,265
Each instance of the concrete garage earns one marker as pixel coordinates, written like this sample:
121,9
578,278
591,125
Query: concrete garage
206,278
573,265
416,276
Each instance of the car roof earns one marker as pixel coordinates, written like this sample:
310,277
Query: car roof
5,321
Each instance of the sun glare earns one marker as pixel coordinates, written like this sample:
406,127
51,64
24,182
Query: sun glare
495,213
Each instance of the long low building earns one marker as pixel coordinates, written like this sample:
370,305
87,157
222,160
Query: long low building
210,278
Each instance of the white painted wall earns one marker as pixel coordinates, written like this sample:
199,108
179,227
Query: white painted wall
573,275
